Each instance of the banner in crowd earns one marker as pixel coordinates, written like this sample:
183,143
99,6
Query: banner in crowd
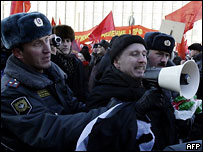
83,37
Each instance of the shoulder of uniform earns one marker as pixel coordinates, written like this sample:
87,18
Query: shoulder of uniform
13,83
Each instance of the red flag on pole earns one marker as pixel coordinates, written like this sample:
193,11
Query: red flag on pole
19,6
188,14
53,22
182,48
59,21
105,26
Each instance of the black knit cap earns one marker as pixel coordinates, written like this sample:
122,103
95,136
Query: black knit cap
122,42
104,43
195,46
86,54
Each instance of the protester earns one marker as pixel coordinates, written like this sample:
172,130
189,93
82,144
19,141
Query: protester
93,55
84,54
101,51
69,62
123,80
105,62
85,57
177,59
38,111
196,55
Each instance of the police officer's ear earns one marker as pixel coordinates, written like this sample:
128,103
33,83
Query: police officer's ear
18,53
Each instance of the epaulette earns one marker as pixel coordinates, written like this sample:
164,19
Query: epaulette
13,83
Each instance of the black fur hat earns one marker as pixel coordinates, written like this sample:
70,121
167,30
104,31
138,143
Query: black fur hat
122,42
195,46
64,31
159,41
23,28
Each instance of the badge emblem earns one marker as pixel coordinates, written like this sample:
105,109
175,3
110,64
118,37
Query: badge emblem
21,106
38,22
167,43
43,93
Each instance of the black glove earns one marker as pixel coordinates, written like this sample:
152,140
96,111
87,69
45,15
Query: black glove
184,127
152,99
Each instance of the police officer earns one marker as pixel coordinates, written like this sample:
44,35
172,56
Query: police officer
38,111
160,47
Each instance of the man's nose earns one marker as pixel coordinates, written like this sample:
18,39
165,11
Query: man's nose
142,59
164,58
46,48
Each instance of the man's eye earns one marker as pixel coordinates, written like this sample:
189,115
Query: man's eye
37,43
135,54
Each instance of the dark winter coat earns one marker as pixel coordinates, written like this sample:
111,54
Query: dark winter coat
117,84
38,111
114,84
94,70
74,69
198,61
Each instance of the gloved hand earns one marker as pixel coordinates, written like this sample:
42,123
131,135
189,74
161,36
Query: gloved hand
184,127
151,99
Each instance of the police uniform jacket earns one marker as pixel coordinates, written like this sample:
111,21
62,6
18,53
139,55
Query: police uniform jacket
38,110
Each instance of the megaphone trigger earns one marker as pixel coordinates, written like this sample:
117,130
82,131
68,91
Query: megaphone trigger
185,79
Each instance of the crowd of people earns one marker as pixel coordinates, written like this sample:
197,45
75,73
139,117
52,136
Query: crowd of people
55,100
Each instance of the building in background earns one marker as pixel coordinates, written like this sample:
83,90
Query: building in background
83,15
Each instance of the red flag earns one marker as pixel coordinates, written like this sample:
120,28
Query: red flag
59,21
19,6
182,48
105,26
53,22
188,14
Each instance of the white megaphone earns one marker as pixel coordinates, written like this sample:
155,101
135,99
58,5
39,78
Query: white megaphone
183,79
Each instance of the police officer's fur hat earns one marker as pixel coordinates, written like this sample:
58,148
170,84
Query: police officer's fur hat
195,46
159,41
122,42
64,31
24,27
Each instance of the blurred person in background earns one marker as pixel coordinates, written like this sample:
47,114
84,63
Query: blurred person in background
101,50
